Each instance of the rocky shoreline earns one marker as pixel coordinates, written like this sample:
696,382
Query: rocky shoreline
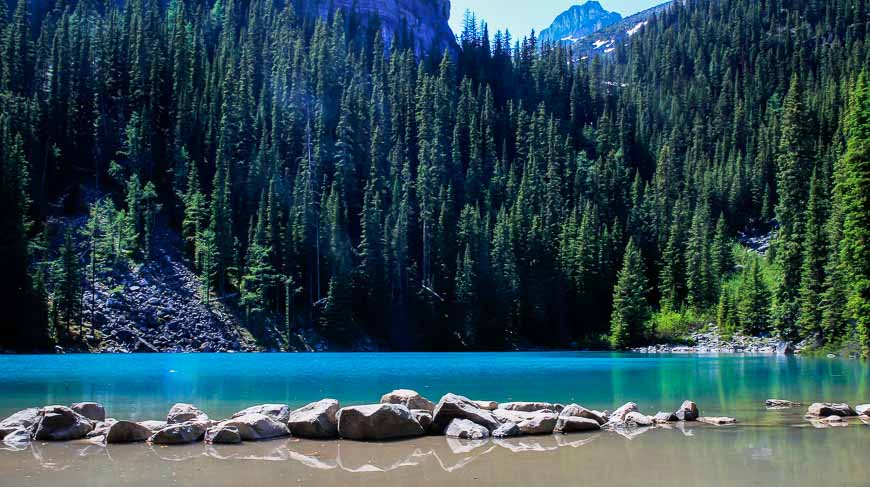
711,341
400,414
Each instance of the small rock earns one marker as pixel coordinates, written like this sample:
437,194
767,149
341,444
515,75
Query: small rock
223,434
182,413
91,410
408,398
569,424
823,409
506,430
662,417
376,422
467,430
780,403
127,432
278,412
60,423
487,405
688,411
256,426
638,419
452,406
538,424
179,433
315,420
619,414
581,412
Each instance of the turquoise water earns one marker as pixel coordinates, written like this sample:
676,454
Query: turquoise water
144,386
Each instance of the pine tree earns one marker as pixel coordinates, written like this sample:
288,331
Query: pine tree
815,248
630,308
753,300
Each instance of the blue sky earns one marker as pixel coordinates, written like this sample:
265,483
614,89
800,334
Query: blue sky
521,16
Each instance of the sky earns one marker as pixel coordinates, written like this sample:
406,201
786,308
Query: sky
521,16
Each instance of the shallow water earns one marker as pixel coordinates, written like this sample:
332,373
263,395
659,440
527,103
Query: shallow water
698,455
144,386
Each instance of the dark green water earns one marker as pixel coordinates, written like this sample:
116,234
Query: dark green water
144,386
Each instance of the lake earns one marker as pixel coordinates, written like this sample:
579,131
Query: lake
766,448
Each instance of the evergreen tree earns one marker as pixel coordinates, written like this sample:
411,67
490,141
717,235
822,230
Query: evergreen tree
630,308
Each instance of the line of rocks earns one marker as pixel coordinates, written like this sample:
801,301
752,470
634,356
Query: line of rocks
400,414
825,414
711,341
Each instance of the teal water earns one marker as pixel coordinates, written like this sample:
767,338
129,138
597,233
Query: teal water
145,386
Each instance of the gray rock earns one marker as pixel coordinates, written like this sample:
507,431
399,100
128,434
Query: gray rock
452,406
717,420
527,406
91,410
538,424
863,409
18,439
487,405
278,412
375,422
569,424
153,425
315,420
466,430
60,423
581,412
619,414
223,434
127,432
24,419
688,411
662,417
256,426
182,413
506,430
780,403
824,409
179,433
638,419
408,398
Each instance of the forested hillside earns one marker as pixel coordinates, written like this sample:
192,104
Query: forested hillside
505,194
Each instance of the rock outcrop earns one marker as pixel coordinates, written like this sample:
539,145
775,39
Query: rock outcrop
578,22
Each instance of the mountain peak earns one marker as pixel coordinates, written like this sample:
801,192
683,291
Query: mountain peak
579,21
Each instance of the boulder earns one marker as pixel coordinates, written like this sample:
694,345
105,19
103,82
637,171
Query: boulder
506,430
619,414
569,424
315,420
178,433
223,434
487,405
780,403
24,419
824,409
527,406
408,398
256,426
581,412
127,432
452,406
717,420
638,419
91,410
466,430
278,412
182,413
18,439
60,423
863,409
662,417
153,425
538,424
688,411
375,422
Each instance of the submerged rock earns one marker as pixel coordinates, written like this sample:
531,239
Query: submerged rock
453,406
315,420
182,413
717,420
91,410
408,398
688,411
223,434
127,432
256,426
466,430
824,409
60,423
780,403
374,422
179,433
278,412
24,419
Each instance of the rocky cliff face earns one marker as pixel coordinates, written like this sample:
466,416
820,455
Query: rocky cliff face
579,21
425,20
